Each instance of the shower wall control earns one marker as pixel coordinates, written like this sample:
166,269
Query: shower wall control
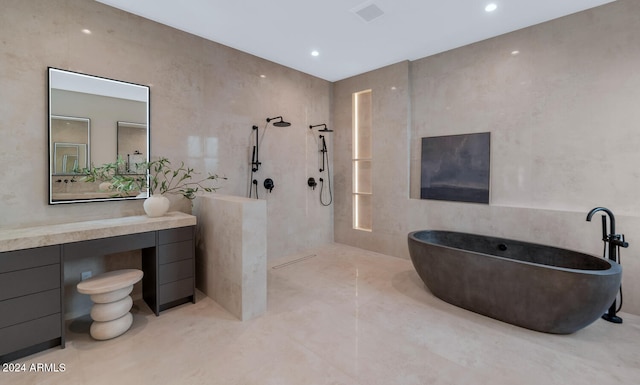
311,182
268,184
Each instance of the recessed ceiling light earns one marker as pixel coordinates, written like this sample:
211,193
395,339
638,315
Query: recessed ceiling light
86,31
514,53
315,53
491,7
263,76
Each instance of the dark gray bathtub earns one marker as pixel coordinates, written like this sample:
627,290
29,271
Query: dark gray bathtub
538,287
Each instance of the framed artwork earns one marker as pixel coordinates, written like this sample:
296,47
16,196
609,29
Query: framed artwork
456,167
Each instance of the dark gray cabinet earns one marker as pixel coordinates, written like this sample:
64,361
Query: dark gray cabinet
176,276
31,307
30,301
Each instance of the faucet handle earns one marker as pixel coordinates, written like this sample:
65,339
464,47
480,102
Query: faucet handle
618,240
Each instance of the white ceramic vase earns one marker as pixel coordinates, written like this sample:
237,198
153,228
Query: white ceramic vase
156,205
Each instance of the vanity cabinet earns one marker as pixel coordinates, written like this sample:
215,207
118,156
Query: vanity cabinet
169,269
32,272
176,278
30,300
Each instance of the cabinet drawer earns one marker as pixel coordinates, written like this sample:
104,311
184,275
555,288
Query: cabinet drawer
175,290
111,245
29,307
175,252
176,271
27,258
29,281
175,235
30,333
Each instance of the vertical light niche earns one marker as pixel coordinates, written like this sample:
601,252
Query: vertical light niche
362,160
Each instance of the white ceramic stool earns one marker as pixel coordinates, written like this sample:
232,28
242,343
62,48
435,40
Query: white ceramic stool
110,295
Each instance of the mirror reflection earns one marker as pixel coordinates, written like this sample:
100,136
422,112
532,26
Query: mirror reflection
69,158
132,139
92,121
70,140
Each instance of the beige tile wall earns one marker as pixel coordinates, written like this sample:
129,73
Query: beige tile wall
565,132
562,114
205,98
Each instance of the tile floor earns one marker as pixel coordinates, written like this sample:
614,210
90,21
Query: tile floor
341,316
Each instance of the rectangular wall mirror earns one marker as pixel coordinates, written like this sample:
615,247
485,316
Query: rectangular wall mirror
93,121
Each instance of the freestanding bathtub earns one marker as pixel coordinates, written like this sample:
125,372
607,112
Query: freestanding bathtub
538,287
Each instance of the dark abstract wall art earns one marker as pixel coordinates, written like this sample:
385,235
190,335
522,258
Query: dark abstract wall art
456,167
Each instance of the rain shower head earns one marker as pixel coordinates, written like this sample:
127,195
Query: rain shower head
280,123
325,129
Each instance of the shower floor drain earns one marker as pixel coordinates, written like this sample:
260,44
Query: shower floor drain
280,266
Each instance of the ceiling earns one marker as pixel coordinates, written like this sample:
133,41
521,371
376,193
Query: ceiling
287,31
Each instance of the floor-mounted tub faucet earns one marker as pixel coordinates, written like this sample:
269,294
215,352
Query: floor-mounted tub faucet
614,241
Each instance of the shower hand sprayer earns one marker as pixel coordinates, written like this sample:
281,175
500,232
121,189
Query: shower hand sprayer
614,242
325,166
255,162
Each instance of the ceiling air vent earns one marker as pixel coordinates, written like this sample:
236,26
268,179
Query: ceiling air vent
368,11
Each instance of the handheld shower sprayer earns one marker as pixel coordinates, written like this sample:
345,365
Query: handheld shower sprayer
280,123
325,166
255,164
324,152
255,159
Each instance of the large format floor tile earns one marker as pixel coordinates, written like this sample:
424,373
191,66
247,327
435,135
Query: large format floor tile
340,315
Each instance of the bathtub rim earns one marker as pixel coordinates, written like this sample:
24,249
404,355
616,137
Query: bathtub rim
614,267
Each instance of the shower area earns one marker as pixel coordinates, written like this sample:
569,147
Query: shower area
289,164
255,157
280,214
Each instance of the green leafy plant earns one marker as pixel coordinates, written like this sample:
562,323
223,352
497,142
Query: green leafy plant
167,180
163,178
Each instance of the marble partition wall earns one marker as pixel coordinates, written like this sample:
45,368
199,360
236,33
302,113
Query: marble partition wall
231,253
563,118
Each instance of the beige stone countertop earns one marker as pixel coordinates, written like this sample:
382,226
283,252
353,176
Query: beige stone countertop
46,235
